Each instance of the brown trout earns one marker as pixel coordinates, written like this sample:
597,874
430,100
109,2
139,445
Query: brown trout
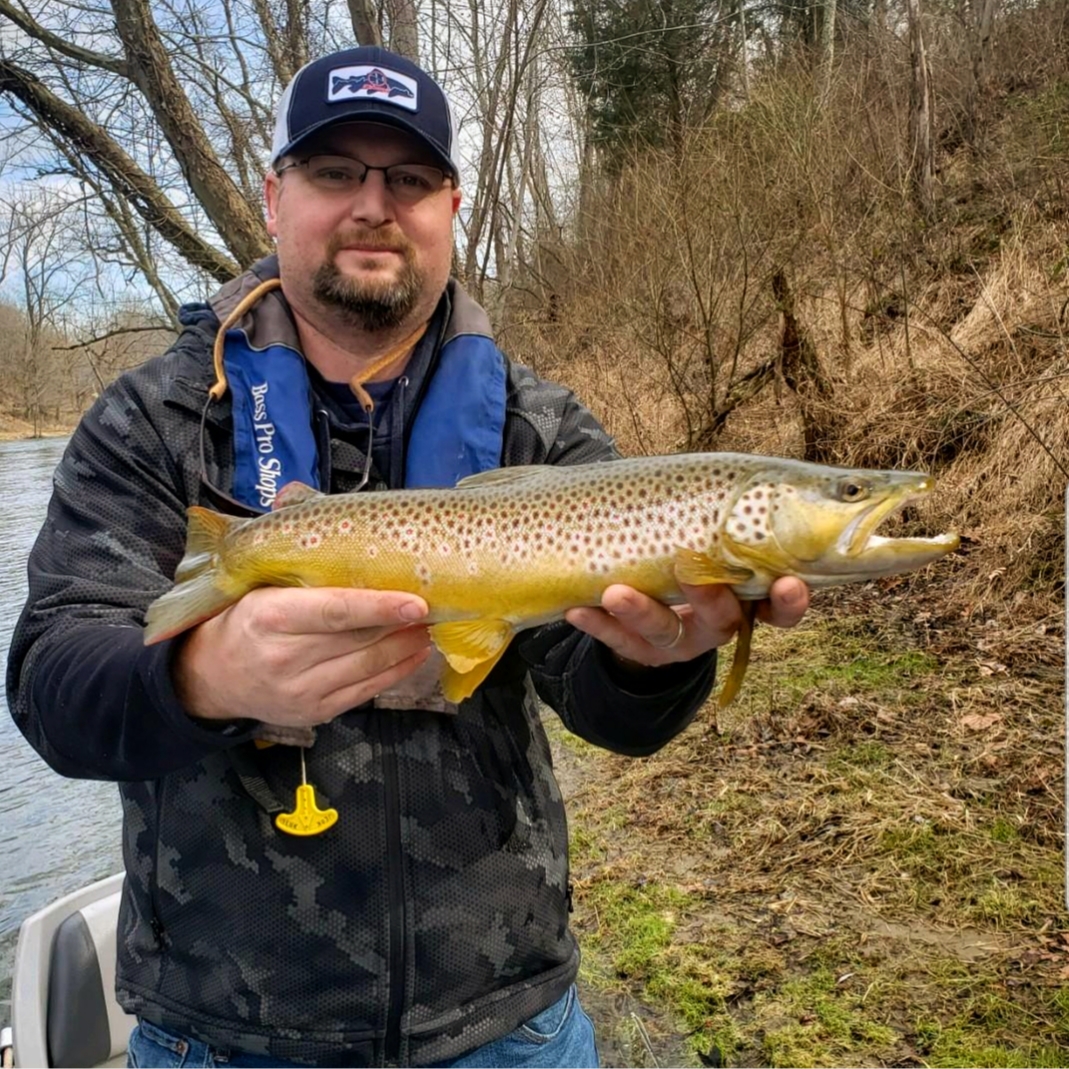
516,547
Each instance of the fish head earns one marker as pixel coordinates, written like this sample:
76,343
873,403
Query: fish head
819,523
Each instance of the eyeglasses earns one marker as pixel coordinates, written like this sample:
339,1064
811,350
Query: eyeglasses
407,183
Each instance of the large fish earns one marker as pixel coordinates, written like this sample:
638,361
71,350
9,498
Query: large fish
517,547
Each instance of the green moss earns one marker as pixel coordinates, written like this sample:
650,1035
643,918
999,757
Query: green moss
823,1022
868,671
867,754
1003,831
957,1046
635,924
1003,907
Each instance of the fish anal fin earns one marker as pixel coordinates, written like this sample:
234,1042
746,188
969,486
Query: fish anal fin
188,603
729,691
457,686
699,569
294,493
471,649
467,643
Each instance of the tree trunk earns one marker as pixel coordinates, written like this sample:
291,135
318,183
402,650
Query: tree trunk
404,32
237,223
744,50
827,41
921,117
365,22
980,45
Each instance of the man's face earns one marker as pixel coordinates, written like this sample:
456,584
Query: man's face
361,253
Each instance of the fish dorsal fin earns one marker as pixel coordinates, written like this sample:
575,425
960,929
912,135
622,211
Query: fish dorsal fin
471,649
699,569
502,476
294,493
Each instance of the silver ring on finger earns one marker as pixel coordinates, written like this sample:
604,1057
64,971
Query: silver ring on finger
679,635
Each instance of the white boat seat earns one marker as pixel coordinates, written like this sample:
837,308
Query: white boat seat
78,1031
63,1004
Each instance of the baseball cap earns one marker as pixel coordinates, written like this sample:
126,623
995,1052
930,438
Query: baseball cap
366,84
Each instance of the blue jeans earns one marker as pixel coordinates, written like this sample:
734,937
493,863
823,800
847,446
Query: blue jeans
560,1037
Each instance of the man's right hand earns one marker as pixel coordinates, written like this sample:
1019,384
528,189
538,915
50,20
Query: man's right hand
299,656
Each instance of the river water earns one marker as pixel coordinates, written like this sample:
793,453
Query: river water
55,834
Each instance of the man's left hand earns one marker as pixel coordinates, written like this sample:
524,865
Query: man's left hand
643,631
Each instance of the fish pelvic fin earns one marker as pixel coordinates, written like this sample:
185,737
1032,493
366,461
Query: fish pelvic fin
198,593
729,691
471,649
699,569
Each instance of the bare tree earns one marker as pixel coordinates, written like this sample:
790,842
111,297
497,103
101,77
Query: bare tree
921,116
44,264
978,17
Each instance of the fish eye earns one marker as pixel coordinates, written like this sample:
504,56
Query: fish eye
851,490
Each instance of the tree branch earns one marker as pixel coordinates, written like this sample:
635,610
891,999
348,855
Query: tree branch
240,227
57,44
85,137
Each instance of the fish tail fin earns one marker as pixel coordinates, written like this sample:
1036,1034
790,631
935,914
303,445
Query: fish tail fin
733,683
198,593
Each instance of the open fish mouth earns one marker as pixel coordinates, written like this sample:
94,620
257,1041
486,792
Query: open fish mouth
859,545
859,534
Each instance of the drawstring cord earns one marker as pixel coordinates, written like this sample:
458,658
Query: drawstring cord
219,387
356,383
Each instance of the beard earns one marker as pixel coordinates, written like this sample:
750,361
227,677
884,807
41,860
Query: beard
369,304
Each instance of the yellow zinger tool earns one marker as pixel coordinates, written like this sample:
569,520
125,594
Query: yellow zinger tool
307,818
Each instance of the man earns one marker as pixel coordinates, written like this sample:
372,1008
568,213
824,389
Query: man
428,925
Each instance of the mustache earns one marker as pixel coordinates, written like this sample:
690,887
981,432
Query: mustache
390,241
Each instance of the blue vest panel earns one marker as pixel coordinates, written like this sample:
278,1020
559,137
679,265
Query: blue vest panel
458,430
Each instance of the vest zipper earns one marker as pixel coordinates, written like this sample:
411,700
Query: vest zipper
322,433
396,891
397,453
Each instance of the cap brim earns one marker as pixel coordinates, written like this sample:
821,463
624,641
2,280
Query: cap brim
376,117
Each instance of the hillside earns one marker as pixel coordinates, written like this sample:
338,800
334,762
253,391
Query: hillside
861,862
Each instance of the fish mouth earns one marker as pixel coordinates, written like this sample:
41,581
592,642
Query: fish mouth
859,532
860,545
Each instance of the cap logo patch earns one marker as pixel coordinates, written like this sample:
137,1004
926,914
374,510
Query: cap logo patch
372,83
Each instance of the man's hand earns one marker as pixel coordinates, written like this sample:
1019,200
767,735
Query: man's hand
299,657
642,631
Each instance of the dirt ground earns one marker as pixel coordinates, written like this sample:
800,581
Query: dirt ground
860,864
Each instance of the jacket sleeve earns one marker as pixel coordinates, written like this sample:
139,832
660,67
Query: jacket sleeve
90,697
573,674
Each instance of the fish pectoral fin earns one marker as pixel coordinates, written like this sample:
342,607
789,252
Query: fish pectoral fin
294,493
733,683
471,649
699,569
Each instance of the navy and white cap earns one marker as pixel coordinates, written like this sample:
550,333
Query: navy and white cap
366,84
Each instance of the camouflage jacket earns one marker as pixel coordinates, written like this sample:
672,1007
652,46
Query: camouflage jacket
433,917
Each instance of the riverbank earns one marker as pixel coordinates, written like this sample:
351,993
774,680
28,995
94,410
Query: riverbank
17,430
860,865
